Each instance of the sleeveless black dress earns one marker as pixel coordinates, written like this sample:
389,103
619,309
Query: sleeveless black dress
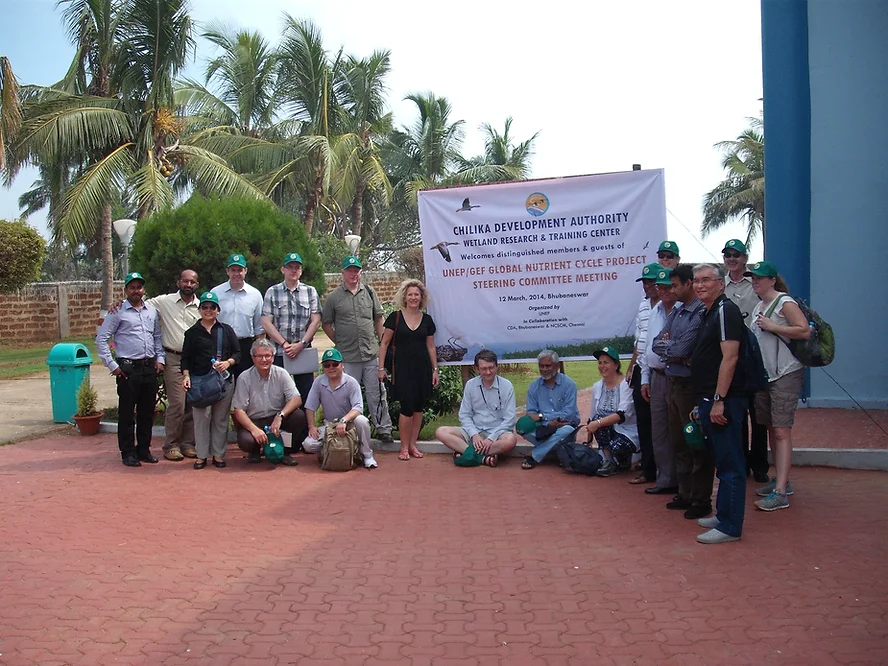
413,369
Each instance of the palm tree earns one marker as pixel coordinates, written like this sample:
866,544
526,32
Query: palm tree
110,119
357,158
10,108
499,150
244,74
741,195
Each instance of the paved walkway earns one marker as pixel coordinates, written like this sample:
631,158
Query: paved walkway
421,563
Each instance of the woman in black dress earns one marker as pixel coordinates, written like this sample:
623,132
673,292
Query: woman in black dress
411,334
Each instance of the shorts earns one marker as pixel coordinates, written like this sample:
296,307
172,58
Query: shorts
468,439
776,407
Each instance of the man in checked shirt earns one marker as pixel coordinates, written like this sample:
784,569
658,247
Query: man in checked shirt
674,345
291,315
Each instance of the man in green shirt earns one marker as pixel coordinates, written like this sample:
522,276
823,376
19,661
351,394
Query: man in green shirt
352,319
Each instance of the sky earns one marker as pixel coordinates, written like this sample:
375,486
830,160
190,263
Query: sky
607,84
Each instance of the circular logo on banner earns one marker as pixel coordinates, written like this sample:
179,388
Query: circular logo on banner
537,204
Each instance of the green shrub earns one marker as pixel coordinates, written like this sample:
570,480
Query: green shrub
202,233
87,399
21,255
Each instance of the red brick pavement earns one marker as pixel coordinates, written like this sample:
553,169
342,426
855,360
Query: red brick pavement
421,563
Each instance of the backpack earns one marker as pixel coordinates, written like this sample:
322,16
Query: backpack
339,454
579,458
820,348
751,365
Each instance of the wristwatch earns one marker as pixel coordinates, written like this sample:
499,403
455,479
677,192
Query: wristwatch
717,398
281,414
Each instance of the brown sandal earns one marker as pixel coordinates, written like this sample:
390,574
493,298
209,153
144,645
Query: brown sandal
641,478
490,461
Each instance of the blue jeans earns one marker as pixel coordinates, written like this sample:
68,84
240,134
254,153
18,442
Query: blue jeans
541,448
726,444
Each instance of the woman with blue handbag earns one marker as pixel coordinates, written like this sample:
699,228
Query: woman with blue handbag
210,350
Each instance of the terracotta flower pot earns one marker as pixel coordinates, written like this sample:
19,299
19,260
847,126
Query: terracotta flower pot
89,425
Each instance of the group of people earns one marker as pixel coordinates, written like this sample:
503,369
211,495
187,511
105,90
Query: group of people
686,365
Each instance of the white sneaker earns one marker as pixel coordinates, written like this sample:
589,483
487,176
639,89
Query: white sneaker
370,463
714,536
709,522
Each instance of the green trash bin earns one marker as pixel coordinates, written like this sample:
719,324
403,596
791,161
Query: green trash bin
68,366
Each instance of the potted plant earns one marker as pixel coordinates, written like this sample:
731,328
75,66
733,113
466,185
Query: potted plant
87,417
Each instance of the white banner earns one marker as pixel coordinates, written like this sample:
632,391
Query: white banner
520,267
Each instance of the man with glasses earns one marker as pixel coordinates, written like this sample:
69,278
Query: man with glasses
339,395
241,308
721,404
291,315
674,345
266,396
551,402
667,254
486,414
738,288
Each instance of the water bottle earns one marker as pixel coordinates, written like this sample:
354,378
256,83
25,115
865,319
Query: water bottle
225,374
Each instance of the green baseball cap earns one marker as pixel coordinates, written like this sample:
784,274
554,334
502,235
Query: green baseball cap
132,276
649,272
735,244
236,260
331,355
290,258
762,269
610,351
664,277
351,261
694,436
525,425
668,246
210,297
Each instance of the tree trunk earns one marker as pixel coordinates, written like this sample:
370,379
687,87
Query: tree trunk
313,203
357,208
107,259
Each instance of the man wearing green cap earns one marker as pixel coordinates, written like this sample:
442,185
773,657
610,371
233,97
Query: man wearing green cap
667,254
738,288
138,343
340,396
241,305
352,319
291,315
648,279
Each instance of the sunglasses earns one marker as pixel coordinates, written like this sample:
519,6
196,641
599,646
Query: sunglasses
207,306
330,364
665,255
732,255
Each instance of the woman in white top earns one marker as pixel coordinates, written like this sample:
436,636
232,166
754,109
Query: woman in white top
776,320
613,421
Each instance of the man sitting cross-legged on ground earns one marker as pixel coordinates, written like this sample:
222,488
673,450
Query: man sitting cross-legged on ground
487,416
552,402
340,396
266,395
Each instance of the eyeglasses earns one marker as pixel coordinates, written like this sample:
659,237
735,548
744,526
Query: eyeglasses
665,255
330,364
263,357
207,306
732,255
706,280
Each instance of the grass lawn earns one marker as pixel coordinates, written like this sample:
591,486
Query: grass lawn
584,373
24,361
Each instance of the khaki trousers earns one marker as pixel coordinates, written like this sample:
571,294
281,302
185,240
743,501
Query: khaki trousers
178,419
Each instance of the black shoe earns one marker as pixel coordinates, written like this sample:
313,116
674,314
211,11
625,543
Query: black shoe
219,463
760,477
288,461
146,458
661,491
384,437
700,511
254,457
131,461
200,464
678,503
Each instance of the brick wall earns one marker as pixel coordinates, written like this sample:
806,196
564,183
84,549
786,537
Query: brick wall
384,283
49,311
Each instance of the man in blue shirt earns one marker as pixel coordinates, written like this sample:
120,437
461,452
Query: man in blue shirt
552,402
139,353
